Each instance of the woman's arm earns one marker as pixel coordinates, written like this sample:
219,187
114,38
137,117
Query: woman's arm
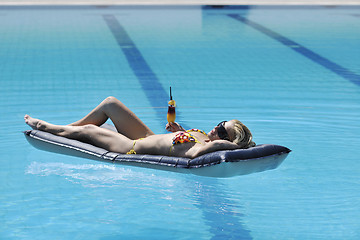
214,146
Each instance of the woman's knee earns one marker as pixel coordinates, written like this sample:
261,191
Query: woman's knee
111,100
85,132
112,103
88,128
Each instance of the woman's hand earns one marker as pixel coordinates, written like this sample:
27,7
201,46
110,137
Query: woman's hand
174,127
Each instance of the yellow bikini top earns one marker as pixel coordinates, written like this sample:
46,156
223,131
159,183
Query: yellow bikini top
185,137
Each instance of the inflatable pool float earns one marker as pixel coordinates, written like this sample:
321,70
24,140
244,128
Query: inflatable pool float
221,164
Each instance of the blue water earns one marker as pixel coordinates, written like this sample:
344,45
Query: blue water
290,74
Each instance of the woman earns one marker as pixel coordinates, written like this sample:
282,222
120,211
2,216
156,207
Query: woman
134,137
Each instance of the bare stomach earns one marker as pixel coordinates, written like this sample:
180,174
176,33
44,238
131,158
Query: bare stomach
161,144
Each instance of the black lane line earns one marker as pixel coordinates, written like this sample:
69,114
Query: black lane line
332,66
158,97
154,91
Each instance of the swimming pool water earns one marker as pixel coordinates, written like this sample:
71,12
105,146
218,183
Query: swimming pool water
289,73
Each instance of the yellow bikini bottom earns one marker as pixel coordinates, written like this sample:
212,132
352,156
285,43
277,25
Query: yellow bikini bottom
132,151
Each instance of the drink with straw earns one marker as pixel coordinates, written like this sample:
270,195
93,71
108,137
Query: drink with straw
171,115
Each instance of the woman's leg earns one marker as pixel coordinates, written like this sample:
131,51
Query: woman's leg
125,121
92,134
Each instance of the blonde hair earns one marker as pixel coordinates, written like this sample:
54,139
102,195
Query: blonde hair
243,136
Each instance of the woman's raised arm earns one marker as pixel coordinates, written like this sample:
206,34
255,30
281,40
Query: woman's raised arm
214,146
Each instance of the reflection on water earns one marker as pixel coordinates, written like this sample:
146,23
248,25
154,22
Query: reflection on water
220,211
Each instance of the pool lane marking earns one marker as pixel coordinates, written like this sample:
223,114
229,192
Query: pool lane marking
219,211
141,69
149,82
147,78
332,66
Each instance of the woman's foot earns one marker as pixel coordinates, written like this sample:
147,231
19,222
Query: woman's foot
32,122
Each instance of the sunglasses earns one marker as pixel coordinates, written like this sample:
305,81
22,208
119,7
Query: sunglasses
221,131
